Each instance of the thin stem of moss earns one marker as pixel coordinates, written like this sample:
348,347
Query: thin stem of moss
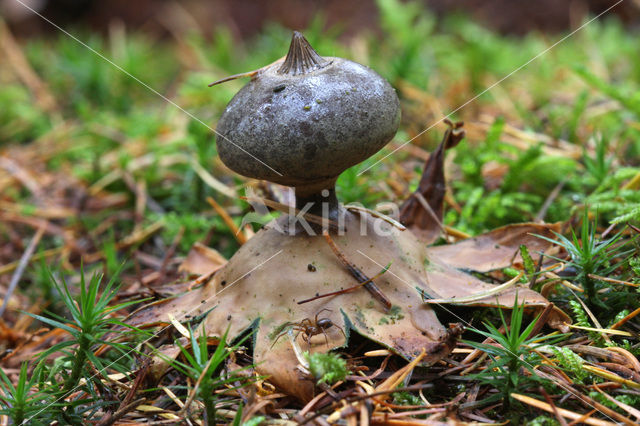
78,364
206,392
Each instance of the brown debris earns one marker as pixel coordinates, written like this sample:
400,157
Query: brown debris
16,59
202,260
24,260
422,211
363,280
495,249
56,200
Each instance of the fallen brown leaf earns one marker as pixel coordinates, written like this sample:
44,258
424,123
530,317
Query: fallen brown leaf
422,211
202,260
495,249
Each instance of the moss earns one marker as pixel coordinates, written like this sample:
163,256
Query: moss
395,314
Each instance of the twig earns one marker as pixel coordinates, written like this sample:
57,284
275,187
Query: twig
142,374
479,295
170,252
612,280
211,181
24,260
425,205
358,275
346,290
607,231
43,254
237,233
536,273
625,319
547,203
609,375
376,393
632,361
141,194
110,419
541,320
473,366
251,74
594,319
310,405
398,376
429,410
560,419
631,410
566,413
201,279
15,57
20,174
586,400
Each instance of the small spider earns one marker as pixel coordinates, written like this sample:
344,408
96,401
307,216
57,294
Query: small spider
310,328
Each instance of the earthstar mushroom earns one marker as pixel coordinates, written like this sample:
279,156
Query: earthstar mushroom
307,119
301,122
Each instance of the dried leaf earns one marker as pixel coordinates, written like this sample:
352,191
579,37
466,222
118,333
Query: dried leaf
422,211
449,283
631,410
202,260
261,285
611,376
495,249
563,412
162,359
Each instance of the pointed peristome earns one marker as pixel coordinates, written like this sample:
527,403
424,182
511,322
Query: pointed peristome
301,58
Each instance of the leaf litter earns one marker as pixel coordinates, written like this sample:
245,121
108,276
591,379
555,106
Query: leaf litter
54,197
394,314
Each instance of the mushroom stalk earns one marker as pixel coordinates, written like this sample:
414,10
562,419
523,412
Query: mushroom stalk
323,203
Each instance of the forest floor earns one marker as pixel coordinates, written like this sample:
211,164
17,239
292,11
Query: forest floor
106,188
